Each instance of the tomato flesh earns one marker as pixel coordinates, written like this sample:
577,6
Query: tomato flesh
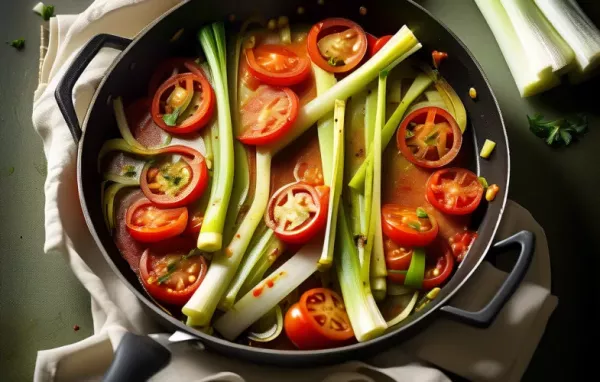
429,137
406,228
276,65
454,191
171,274
318,321
397,258
148,223
175,184
460,244
188,98
308,173
297,212
376,44
336,45
268,115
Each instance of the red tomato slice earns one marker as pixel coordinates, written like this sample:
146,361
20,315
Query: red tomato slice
171,273
276,65
175,184
438,267
268,115
460,244
187,95
375,44
429,137
297,211
169,68
143,128
454,191
402,225
194,224
308,173
397,258
318,321
336,45
149,224
438,57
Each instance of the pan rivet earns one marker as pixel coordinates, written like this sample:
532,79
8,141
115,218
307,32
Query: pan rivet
300,10
362,11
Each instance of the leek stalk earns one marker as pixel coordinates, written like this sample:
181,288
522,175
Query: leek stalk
212,39
271,253
378,270
420,83
399,47
362,310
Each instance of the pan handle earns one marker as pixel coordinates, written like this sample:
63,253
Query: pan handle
137,359
485,317
64,90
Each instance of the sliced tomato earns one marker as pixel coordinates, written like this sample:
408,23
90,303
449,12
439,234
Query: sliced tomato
298,211
318,321
174,184
438,267
308,173
268,115
184,103
171,67
438,57
375,44
397,258
194,224
336,45
171,273
276,65
402,225
149,224
460,244
143,128
429,137
454,191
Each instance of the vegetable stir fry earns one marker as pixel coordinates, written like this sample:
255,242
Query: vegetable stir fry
259,193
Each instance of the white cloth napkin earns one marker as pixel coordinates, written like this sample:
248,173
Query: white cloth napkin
499,353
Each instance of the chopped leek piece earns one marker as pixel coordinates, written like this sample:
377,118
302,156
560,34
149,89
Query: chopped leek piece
362,310
268,327
488,147
576,29
271,253
394,289
108,207
212,39
123,125
324,81
421,82
430,296
416,270
270,291
483,181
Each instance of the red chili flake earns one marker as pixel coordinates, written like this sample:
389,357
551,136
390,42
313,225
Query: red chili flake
438,57
75,327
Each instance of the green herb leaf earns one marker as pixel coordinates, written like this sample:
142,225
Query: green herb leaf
483,181
409,134
18,44
164,278
414,225
177,180
558,132
421,213
47,12
334,61
129,171
11,171
171,119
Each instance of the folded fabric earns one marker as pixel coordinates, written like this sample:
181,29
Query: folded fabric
500,353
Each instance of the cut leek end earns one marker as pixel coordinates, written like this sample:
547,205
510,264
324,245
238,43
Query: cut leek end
487,148
324,264
210,241
374,332
378,288
226,303
196,317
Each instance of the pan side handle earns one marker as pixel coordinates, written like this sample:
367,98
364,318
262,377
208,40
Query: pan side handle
137,359
484,318
64,90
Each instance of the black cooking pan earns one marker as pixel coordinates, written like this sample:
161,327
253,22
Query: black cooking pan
128,77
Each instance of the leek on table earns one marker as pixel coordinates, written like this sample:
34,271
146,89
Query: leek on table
420,83
576,29
212,39
269,292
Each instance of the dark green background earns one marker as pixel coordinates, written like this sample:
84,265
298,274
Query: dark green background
41,300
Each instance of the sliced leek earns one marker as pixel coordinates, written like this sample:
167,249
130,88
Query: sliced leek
268,327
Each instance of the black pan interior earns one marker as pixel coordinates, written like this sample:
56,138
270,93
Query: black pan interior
128,78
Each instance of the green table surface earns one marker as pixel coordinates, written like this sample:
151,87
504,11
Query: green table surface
41,300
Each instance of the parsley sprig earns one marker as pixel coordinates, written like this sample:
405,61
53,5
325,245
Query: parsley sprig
558,132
